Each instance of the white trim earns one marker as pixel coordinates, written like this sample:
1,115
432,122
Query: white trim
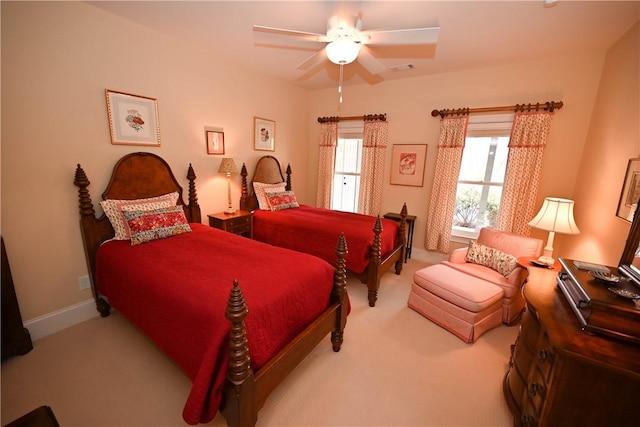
58,320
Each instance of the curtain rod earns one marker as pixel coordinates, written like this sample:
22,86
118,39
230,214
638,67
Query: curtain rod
547,106
366,117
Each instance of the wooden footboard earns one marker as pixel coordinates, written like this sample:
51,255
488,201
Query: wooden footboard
378,265
245,392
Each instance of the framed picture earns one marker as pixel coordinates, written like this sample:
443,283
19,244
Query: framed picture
630,191
133,119
407,164
264,134
215,142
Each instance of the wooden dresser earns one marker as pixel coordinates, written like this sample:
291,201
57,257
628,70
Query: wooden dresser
560,375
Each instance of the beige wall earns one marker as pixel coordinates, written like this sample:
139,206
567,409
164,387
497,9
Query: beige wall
613,139
408,104
57,60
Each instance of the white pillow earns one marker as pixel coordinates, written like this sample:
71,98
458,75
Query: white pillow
114,209
260,188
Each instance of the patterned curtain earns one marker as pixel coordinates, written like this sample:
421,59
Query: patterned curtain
524,162
374,150
326,162
453,131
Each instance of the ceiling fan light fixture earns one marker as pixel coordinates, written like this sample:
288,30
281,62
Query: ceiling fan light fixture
342,51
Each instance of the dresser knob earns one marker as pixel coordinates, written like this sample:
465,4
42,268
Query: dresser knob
542,355
534,388
528,420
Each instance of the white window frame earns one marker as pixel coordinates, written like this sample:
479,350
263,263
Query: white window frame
498,125
352,129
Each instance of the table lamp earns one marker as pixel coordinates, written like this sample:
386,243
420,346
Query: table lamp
556,215
228,166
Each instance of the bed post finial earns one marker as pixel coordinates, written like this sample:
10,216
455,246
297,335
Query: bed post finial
239,406
193,197
339,292
82,182
288,185
243,173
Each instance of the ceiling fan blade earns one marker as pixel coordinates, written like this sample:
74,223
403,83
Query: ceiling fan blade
406,37
314,59
312,37
367,60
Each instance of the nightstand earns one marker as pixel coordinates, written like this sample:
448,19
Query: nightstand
410,219
239,222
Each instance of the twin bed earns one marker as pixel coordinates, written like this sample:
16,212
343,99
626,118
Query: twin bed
187,287
375,244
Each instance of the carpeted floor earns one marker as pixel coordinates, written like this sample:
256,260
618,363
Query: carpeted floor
396,368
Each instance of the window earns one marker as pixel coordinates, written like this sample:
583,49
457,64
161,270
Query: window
482,171
346,176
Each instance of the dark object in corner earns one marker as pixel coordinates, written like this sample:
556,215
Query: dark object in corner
15,337
39,417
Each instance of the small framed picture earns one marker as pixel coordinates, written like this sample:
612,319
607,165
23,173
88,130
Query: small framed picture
133,119
215,142
407,164
630,194
264,134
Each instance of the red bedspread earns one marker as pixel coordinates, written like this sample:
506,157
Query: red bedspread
315,231
176,289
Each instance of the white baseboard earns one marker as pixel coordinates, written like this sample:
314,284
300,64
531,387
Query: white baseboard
58,320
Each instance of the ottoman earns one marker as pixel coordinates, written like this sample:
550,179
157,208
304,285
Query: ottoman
464,305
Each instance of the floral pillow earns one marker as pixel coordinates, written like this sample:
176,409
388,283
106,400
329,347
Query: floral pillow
261,188
490,257
282,200
114,209
146,226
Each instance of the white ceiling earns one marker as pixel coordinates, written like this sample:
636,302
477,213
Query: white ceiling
473,34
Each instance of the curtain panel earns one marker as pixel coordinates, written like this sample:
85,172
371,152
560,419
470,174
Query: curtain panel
326,163
453,132
522,177
374,150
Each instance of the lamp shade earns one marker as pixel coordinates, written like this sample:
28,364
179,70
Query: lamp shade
342,51
227,165
556,215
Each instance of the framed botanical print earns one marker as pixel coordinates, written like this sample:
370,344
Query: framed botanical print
133,119
264,134
407,164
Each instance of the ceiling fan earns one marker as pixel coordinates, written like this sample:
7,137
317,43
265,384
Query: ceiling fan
345,42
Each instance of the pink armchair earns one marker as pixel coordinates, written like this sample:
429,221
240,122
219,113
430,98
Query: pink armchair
512,244
469,298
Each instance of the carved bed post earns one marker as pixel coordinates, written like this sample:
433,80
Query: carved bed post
90,234
373,281
288,185
193,197
339,291
402,237
244,195
239,405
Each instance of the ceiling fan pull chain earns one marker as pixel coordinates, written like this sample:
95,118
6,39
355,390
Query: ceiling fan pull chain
340,83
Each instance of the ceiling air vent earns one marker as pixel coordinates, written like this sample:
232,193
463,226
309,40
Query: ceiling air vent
403,67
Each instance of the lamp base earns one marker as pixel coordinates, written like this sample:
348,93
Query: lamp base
547,260
230,211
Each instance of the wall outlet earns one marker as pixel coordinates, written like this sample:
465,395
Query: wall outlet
84,282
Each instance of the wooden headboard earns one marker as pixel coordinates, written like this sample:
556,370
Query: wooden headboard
134,176
267,170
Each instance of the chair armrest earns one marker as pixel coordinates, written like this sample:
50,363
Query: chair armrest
518,276
458,256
